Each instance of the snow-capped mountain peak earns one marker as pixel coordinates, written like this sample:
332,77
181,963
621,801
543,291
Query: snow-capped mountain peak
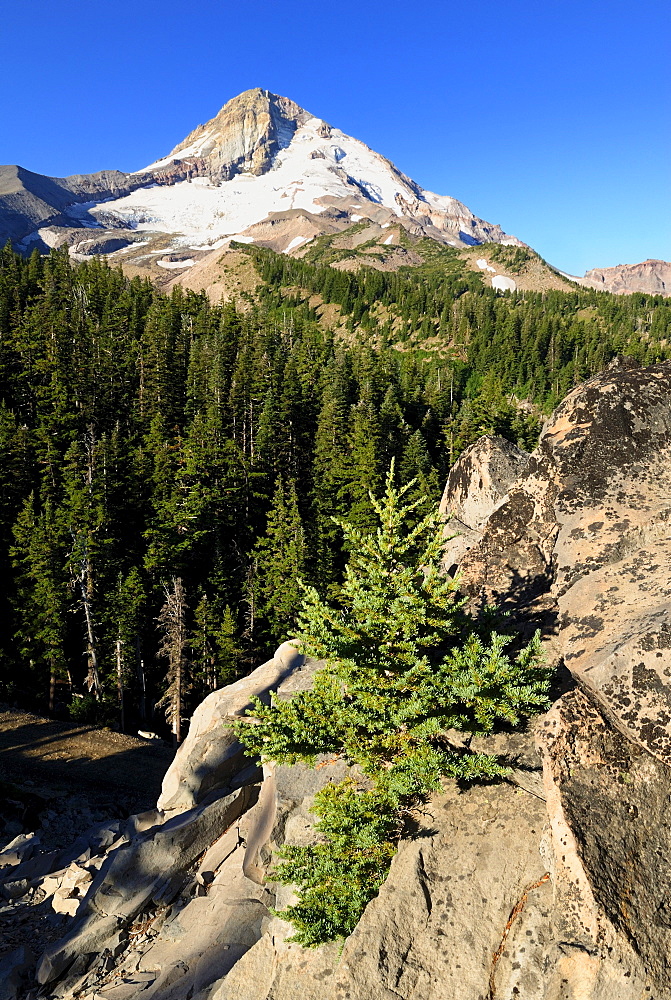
263,155
263,170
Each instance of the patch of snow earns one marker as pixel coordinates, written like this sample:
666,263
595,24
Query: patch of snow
510,243
385,225
356,218
174,264
484,266
30,238
211,246
133,246
81,213
388,240
296,242
503,284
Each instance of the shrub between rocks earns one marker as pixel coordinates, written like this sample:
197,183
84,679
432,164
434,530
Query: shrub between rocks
405,664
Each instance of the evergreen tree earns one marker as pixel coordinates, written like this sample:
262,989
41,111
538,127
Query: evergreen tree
280,562
42,595
126,610
405,665
149,431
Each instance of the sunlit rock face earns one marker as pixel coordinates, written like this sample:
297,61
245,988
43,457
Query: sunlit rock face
586,530
650,276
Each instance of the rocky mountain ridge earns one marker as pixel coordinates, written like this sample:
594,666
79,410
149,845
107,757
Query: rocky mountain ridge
260,157
652,277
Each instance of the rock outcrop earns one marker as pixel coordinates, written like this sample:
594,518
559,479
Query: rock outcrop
477,483
652,277
543,890
244,137
586,530
581,545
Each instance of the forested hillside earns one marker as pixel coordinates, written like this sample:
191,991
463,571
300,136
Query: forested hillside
170,467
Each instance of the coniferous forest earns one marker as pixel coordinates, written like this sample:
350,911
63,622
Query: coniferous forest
171,468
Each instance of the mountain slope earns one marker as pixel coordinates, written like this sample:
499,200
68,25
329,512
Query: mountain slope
29,200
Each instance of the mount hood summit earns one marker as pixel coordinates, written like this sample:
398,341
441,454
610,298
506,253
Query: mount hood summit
263,170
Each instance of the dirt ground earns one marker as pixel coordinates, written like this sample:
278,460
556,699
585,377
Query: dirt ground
54,759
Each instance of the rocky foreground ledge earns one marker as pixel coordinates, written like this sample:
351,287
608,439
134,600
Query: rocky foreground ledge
552,889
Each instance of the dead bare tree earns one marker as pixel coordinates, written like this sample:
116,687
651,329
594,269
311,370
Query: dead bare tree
172,622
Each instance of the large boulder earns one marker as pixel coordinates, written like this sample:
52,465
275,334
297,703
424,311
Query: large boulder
585,534
581,543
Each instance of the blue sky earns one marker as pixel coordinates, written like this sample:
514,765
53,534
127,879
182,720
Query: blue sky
550,118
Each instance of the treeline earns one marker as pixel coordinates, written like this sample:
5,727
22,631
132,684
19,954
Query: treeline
170,467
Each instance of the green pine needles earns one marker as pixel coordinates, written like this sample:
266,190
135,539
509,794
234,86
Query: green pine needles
405,664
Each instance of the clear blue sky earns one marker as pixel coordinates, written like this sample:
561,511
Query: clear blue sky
550,118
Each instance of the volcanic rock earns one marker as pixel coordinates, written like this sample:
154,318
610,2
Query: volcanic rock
652,277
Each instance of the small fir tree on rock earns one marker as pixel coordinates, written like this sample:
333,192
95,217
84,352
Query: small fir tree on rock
405,664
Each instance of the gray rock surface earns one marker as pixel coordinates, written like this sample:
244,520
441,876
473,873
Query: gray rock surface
14,971
150,868
29,200
211,755
652,277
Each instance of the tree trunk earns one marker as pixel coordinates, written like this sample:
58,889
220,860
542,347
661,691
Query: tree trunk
52,686
119,684
93,675
139,663
173,621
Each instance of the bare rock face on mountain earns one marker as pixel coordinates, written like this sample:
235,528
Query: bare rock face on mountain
30,201
652,277
244,137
